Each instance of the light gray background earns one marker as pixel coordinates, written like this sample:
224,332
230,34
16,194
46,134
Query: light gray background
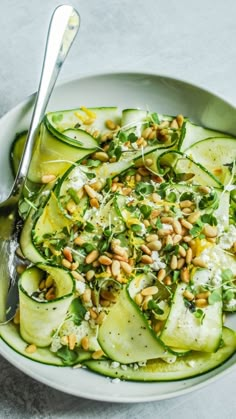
187,39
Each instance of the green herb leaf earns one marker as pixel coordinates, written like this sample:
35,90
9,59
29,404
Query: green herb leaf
159,224
93,163
68,357
152,305
227,275
132,137
77,310
199,314
89,227
145,210
136,228
214,297
143,188
209,219
228,295
73,194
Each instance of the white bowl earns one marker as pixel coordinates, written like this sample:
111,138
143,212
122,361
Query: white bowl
157,93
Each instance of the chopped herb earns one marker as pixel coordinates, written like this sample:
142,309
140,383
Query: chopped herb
227,275
77,311
136,228
89,227
159,224
152,305
73,194
132,137
145,210
199,314
143,188
68,357
214,297
209,219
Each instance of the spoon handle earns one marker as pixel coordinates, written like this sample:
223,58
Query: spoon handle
63,28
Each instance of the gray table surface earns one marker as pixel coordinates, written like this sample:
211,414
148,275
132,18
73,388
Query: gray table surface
187,39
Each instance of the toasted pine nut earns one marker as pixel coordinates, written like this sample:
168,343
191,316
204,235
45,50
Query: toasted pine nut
174,124
197,261
85,343
146,300
167,280
162,232
94,203
138,299
110,124
90,274
97,354
157,326
77,276
161,274
115,268
143,171
50,294
100,318
42,284
210,231
105,260
205,295
184,275
167,220
177,227
48,178
90,191
92,256
126,267
30,349
154,245
20,269
126,191
187,239
185,204
204,189
79,241
146,259
93,314
97,186
101,156
148,162
74,266
71,207
180,120
186,224
108,295
149,291
49,281
186,211
194,217
188,295
138,177
87,295
146,132
201,302
169,240
173,263
189,255
156,198
177,238
145,249
180,263
72,341
64,340
182,251
67,253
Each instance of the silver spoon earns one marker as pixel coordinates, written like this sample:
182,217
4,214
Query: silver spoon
63,28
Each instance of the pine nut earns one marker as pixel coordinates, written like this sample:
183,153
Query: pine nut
138,299
146,132
197,261
105,260
148,162
77,276
115,268
64,340
156,198
161,274
146,300
118,250
169,240
167,280
180,263
97,354
50,294
110,124
177,227
126,191
49,281
205,295
147,260
186,224
157,326
16,319
186,211
67,253
188,295
149,291
184,275
90,275
74,266
138,177
94,203
96,186
108,295
187,239
201,302
93,314
180,120
194,217
85,343
143,171
167,220
87,295
210,231
182,251
162,232
174,124
72,341
100,318
204,189
101,156
30,349
104,303
126,267
92,256
90,191
71,207
173,263
189,255
185,204
48,178
42,284
145,249
177,238
79,241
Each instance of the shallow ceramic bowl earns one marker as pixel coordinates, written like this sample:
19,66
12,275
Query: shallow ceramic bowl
126,90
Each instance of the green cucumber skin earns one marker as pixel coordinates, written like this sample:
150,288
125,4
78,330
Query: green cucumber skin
194,133
159,370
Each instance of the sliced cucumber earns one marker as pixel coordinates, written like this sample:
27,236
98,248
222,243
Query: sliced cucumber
40,318
216,154
74,118
191,365
54,152
26,243
195,133
125,335
183,329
